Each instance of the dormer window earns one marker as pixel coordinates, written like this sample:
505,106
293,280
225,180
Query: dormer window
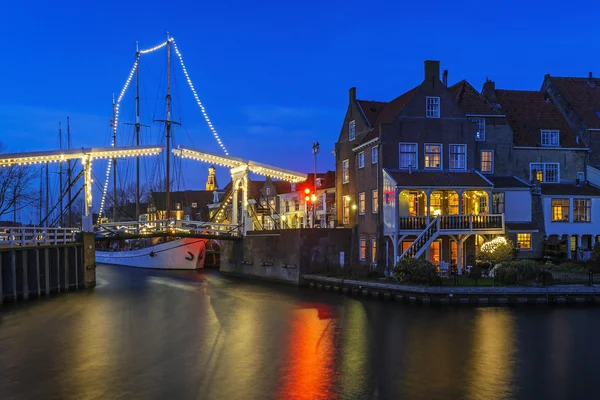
351,130
480,123
550,138
432,105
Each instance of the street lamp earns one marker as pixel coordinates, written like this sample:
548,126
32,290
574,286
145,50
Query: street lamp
315,151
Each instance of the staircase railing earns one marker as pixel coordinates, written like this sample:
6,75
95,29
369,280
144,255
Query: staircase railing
428,234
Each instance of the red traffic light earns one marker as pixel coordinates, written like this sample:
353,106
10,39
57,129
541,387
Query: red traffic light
307,191
307,198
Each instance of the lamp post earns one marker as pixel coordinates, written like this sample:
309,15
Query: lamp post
315,151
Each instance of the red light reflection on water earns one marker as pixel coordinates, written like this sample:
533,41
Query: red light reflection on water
308,370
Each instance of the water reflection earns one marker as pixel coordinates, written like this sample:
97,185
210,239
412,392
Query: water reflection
309,351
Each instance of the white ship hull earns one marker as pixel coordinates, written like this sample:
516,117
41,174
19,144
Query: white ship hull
186,253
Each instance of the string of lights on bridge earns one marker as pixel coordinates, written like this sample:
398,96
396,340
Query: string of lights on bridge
117,104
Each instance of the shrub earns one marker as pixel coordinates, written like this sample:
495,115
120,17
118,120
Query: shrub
571,266
496,251
475,272
595,256
544,277
506,274
411,270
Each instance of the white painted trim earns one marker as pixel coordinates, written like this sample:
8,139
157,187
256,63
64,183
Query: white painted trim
416,156
366,144
493,162
350,123
550,148
544,172
343,161
549,131
358,160
372,202
439,109
450,158
372,149
483,176
486,115
365,210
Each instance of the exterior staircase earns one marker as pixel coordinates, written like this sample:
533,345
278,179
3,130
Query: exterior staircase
422,242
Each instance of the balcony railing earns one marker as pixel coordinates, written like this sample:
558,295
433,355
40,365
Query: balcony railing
469,222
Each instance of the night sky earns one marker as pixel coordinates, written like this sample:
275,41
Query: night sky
274,77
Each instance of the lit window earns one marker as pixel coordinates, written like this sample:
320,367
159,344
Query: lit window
582,210
435,207
408,155
498,203
361,159
433,156
362,249
178,206
375,201
550,138
453,204
351,130
287,206
487,161
453,253
560,210
268,191
374,251
544,172
374,155
361,203
345,171
434,252
432,107
458,156
524,241
480,122
346,209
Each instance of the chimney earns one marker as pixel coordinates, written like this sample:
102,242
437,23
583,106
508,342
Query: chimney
591,76
432,71
489,91
352,93
445,78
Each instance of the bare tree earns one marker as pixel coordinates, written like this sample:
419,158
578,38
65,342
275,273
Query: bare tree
16,192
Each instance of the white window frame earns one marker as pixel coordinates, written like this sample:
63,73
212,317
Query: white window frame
361,160
362,203
464,146
374,155
441,153
481,161
351,130
375,201
544,171
550,138
346,171
416,152
480,123
432,107
362,243
588,207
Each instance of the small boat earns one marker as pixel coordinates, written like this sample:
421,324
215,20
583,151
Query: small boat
156,253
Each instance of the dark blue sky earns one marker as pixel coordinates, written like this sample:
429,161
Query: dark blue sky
273,76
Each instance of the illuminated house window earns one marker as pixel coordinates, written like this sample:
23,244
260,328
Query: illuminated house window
433,156
487,161
346,209
480,122
550,138
544,172
453,204
178,206
524,241
453,253
413,204
375,201
436,204
434,252
287,206
345,171
361,159
351,130
582,210
374,251
458,156
361,203
432,107
560,210
362,249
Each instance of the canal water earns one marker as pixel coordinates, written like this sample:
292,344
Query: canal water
197,335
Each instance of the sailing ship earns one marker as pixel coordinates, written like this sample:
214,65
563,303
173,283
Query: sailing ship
159,252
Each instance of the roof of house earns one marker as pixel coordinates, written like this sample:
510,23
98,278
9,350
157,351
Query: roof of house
507,182
438,179
521,226
528,112
470,100
569,189
583,97
185,197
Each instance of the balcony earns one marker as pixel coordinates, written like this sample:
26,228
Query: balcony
454,224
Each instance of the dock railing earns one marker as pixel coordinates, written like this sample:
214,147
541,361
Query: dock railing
36,236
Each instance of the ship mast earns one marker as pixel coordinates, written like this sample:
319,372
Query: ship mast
137,133
69,173
60,176
114,107
168,126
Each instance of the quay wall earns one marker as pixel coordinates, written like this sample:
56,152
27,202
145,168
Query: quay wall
286,254
34,271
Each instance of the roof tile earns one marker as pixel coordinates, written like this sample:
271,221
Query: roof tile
439,179
583,97
470,100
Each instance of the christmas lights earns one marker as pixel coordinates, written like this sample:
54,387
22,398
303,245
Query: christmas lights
202,109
